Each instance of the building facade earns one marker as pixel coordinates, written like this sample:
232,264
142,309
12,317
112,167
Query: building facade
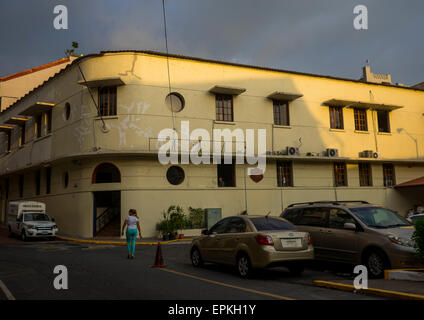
86,143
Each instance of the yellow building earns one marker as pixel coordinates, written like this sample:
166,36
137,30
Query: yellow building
327,138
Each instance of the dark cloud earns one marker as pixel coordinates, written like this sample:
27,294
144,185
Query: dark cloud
309,36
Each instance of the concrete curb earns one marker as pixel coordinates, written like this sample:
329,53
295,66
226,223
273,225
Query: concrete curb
392,271
371,291
120,243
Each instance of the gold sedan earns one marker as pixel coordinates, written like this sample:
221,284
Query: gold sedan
250,242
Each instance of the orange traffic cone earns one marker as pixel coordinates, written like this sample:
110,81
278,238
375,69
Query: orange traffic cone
159,258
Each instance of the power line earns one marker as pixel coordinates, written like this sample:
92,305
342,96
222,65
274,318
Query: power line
92,97
167,62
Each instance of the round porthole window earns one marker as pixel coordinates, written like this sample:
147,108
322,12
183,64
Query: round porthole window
175,175
175,102
67,111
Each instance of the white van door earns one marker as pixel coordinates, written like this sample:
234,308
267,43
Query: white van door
17,225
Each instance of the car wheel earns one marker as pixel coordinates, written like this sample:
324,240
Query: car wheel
296,269
244,267
24,236
376,264
196,258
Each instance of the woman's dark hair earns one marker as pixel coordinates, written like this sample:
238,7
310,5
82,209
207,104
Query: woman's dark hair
133,211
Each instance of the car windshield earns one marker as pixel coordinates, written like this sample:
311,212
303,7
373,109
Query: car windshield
36,217
376,217
266,223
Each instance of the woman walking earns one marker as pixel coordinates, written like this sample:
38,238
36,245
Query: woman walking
132,224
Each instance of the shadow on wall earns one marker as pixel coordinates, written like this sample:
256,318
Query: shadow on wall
308,131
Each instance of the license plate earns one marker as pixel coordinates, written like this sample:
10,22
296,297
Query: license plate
291,243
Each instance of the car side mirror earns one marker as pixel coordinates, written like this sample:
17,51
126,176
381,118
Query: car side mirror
205,232
53,220
349,226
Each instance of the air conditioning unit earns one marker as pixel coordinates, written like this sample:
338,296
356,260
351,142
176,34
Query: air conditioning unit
332,153
292,151
313,154
368,153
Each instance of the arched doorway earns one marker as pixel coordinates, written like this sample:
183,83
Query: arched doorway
107,203
106,173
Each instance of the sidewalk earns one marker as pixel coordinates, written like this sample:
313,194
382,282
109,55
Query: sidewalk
393,289
4,238
118,241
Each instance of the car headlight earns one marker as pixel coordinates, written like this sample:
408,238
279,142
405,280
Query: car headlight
30,226
401,241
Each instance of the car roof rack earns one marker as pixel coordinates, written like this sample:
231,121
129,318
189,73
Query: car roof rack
328,202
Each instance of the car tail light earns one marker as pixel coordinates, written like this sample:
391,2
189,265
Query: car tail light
264,240
309,240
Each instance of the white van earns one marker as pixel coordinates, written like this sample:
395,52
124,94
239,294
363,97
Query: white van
29,219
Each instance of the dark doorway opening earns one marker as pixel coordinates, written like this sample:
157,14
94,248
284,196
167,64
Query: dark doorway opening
106,213
226,175
106,173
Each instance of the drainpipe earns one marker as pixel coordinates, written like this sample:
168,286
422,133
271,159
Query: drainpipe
373,122
281,189
245,189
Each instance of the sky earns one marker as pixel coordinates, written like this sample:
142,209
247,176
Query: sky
313,36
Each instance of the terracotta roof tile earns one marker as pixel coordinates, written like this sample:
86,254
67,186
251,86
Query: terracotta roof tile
419,182
35,69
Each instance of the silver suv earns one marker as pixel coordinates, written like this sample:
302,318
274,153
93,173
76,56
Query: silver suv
356,232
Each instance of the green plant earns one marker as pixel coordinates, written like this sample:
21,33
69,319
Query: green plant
177,217
71,52
196,218
418,237
163,227
173,220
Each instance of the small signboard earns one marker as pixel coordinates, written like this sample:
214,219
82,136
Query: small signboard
213,215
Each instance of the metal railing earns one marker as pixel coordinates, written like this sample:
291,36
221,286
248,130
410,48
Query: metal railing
105,218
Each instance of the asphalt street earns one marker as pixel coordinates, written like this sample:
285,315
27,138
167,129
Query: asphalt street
104,272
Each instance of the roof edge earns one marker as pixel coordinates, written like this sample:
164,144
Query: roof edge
156,53
49,79
35,69
177,56
417,182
